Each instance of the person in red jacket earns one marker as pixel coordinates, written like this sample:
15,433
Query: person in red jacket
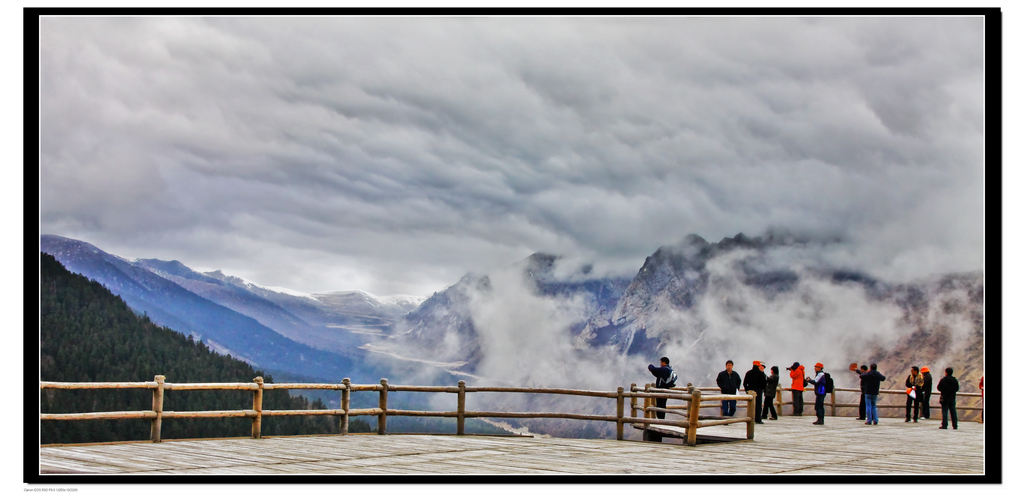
981,385
796,372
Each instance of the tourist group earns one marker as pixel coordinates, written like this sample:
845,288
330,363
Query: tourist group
918,383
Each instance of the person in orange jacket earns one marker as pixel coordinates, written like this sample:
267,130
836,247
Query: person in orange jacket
796,372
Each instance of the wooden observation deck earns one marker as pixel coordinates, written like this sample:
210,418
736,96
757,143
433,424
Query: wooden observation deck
790,445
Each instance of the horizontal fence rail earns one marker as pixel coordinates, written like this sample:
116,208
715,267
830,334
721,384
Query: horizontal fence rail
695,399
159,387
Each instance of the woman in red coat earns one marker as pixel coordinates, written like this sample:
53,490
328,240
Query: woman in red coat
796,372
981,385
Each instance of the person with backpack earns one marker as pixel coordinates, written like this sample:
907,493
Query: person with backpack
796,372
822,384
948,386
770,388
665,378
755,380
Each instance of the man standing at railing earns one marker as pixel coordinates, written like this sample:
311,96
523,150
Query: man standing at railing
870,383
769,395
819,392
754,380
948,386
863,402
665,378
796,372
728,381
926,393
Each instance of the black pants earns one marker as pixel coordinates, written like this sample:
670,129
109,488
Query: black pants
758,403
769,406
819,407
916,402
660,403
949,411
798,402
863,408
925,411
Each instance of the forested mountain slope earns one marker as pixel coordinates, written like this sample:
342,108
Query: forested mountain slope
88,334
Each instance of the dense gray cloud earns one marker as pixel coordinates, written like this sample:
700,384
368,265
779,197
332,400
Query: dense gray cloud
394,155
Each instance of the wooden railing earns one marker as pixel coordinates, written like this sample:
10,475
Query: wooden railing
831,403
696,399
159,387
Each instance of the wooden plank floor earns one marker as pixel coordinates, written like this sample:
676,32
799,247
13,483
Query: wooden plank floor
790,445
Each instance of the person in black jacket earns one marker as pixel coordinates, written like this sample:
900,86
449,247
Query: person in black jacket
870,382
771,386
948,386
926,392
664,379
755,381
728,381
863,402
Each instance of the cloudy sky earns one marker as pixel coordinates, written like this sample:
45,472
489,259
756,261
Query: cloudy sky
394,155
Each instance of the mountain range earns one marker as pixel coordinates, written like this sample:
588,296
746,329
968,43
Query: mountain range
298,336
548,321
773,298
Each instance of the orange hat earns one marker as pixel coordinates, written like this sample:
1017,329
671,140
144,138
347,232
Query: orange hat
924,369
757,363
819,365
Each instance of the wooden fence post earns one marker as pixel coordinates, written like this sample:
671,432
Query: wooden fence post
346,400
647,402
158,407
833,402
461,420
693,411
620,410
750,414
778,402
632,401
382,419
257,404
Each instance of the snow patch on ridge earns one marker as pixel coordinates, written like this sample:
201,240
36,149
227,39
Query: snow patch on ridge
285,290
392,300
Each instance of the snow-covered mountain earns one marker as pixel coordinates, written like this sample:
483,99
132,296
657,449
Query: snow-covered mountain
771,298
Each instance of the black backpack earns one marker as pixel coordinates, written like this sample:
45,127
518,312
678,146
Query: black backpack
829,386
670,382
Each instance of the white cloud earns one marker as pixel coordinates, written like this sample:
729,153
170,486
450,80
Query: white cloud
402,152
